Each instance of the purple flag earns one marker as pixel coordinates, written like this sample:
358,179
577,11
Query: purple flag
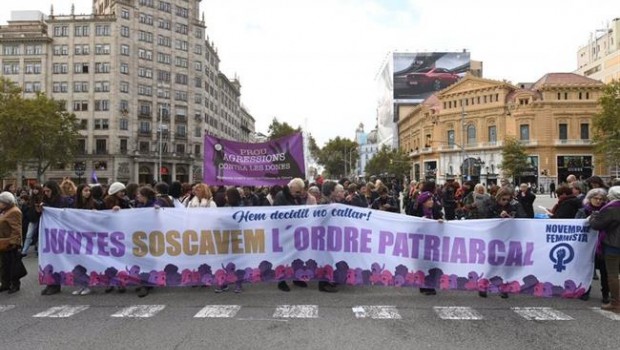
254,164
93,178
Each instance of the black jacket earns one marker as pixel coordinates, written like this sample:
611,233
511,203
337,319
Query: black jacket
284,197
567,208
527,202
513,208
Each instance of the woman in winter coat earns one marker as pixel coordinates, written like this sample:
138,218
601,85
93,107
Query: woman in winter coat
594,202
33,216
10,233
607,221
202,197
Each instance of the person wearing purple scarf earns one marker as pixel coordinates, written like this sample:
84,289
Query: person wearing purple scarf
428,208
607,221
594,201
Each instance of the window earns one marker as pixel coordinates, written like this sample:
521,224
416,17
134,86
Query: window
198,33
164,24
146,19
102,67
102,49
125,50
11,68
125,31
61,50
145,72
80,86
83,124
80,68
180,79
61,30
101,124
180,148
198,49
100,146
198,66
163,76
80,106
102,86
145,126
145,90
149,3
471,135
57,68
182,12
198,133
33,68
124,107
60,86
198,99
145,36
124,68
180,95
123,144
80,30
34,49
102,30
164,58
180,62
102,105
585,131
145,54
524,132
124,87
163,40
180,28
124,13
82,50
181,45
32,86
144,146
563,131
492,134
181,130
165,6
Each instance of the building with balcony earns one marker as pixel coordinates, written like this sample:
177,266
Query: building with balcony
142,78
459,132
600,58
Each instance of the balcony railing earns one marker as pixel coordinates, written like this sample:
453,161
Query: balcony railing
180,136
101,151
528,143
180,119
144,115
145,133
572,142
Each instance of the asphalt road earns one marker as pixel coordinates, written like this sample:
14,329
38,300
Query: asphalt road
264,318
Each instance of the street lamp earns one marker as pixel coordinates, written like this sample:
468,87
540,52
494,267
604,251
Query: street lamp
79,168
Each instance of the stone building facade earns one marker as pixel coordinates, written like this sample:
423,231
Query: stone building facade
459,132
143,80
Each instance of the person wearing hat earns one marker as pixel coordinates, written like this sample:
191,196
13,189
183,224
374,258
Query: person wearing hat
428,208
11,235
115,199
607,221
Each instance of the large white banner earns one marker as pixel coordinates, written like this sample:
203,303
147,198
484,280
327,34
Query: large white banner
187,247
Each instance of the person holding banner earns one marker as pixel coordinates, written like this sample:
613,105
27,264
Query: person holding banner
594,201
607,221
428,208
52,197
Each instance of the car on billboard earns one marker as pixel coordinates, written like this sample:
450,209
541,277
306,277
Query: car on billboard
434,78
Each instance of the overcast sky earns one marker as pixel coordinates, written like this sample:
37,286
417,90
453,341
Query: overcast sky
313,63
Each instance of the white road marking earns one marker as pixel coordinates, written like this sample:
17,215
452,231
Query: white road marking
62,311
457,313
296,311
141,311
4,308
610,315
541,314
218,311
377,312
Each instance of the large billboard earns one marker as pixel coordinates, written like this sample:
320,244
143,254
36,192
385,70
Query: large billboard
417,75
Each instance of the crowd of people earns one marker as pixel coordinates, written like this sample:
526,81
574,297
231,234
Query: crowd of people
20,211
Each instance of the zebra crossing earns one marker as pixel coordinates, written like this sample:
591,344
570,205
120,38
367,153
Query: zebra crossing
375,312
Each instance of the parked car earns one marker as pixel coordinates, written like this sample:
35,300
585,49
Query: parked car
432,78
